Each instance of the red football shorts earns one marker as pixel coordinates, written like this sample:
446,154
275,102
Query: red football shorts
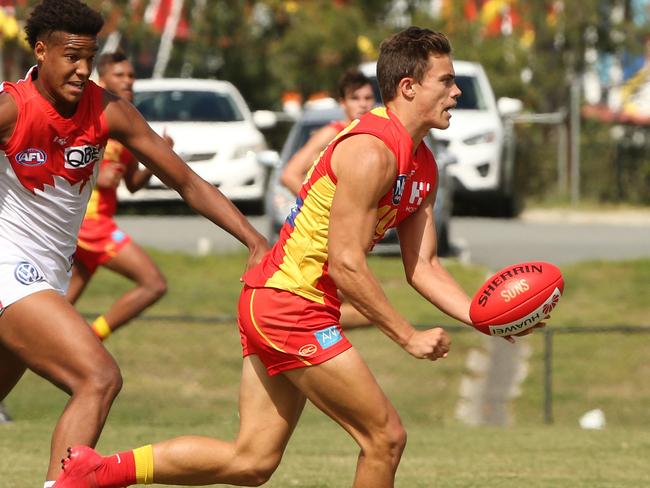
288,331
98,244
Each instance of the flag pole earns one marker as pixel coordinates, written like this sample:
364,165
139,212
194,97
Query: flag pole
167,39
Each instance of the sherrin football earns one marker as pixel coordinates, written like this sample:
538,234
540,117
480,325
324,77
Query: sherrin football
516,298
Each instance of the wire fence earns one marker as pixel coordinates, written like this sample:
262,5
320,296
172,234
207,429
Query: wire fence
549,335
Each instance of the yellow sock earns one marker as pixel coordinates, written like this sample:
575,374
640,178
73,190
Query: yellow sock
100,328
143,464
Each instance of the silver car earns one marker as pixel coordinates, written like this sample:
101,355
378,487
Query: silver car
279,200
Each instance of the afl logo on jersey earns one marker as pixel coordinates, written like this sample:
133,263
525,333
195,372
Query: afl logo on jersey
81,156
31,157
398,189
27,274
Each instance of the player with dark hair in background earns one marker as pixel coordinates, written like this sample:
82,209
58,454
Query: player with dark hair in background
54,125
356,98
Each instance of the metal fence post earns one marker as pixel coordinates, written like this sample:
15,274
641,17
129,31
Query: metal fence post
548,376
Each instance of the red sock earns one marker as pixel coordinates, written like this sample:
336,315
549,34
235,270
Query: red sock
117,470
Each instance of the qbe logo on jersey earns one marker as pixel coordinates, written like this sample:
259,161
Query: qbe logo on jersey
27,274
81,156
328,337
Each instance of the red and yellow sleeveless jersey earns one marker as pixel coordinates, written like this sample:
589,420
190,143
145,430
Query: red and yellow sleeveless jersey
298,262
103,201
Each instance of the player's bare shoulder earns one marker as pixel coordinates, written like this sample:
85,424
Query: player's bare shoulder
121,116
8,117
366,156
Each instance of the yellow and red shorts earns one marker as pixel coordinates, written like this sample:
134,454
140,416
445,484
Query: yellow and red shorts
288,331
98,244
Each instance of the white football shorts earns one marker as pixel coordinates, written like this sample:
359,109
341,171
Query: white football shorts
19,278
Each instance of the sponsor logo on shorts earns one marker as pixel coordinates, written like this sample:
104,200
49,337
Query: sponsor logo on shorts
308,350
118,235
31,157
328,337
81,156
27,274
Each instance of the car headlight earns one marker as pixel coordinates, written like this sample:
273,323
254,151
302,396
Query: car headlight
247,150
480,138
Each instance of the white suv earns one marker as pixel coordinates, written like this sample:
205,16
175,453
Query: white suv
478,138
213,131
483,148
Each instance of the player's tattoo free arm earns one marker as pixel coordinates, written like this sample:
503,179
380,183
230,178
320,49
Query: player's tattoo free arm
424,272
128,127
352,223
297,167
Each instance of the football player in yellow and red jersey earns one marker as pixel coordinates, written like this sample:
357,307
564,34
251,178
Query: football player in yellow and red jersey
375,175
101,242
356,98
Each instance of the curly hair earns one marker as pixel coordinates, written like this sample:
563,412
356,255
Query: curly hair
70,16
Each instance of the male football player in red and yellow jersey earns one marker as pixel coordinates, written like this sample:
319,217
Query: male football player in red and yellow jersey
375,175
101,242
356,98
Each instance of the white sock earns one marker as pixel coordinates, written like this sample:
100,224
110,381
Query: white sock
48,484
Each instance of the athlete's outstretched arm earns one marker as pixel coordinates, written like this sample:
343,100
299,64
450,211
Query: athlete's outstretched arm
424,272
128,127
365,171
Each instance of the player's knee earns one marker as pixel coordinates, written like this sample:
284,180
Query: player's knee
395,439
157,287
387,443
104,380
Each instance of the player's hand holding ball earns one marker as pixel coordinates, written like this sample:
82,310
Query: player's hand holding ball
517,299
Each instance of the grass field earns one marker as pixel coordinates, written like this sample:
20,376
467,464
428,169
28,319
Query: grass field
182,378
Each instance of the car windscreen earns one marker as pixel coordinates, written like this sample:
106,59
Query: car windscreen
472,97
187,106
299,136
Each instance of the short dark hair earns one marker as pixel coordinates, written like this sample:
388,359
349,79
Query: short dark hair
109,59
70,16
407,54
351,80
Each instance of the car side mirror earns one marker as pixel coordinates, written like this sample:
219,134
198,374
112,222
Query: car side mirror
264,119
509,106
269,158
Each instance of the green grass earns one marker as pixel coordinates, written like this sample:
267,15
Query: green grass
182,378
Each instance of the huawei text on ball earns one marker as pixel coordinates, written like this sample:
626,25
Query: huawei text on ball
517,326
